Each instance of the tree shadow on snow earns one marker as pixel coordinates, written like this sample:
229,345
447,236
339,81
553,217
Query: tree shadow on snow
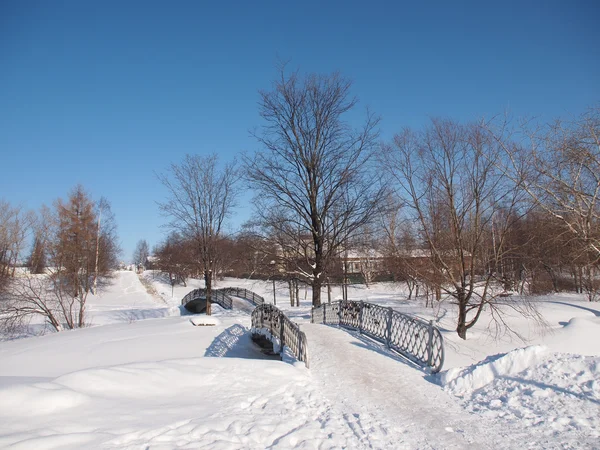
133,315
236,342
593,311
544,386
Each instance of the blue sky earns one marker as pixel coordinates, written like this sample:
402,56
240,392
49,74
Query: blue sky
107,93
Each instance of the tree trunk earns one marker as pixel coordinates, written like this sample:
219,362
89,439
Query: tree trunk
411,287
81,321
461,327
95,291
297,287
316,292
208,286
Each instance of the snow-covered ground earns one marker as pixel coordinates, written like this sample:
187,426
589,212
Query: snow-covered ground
150,377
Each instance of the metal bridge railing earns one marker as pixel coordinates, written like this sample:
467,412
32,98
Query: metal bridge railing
245,294
280,327
414,338
223,296
217,296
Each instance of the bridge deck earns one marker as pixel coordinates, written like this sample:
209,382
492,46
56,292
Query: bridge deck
378,391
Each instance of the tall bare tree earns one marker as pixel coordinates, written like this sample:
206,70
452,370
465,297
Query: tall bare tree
76,253
450,178
312,177
82,249
15,227
563,178
177,258
200,198
141,252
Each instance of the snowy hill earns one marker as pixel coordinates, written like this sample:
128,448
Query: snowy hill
149,378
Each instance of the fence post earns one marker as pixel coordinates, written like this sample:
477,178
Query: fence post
324,314
430,345
360,317
388,339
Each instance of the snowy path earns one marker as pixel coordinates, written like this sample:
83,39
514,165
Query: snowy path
165,384
386,402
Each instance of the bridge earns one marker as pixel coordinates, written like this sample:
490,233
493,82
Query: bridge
411,337
370,361
195,301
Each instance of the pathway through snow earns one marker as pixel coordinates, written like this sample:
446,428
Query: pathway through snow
386,401
168,384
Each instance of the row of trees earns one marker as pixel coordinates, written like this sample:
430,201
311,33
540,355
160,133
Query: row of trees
471,211
74,245
14,227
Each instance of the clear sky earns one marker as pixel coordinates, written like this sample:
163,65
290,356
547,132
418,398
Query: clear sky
106,93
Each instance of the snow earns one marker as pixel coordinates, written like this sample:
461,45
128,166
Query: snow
466,380
552,403
145,375
204,321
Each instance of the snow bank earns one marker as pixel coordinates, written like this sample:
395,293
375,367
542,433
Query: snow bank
217,403
548,399
554,404
205,321
463,381
38,399
577,335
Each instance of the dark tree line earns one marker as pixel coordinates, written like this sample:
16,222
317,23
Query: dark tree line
493,213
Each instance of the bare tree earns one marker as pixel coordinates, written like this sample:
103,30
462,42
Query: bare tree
15,227
37,259
563,178
141,252
400,248
177,258
366,248
200,198
450,178
75,244
312,176
254,253
76,253
42,296
105,226
81,250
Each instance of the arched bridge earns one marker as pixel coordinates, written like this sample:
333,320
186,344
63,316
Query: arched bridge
195,301
414,338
